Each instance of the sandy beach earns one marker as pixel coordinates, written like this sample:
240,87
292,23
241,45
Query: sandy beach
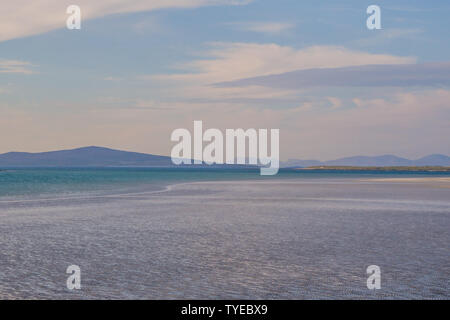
417,179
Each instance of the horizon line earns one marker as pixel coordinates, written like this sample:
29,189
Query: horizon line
168,156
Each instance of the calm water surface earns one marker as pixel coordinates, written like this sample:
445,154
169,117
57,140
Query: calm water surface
193,234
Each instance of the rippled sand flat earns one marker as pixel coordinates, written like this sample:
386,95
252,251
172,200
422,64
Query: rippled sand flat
420,179
437,182
277,239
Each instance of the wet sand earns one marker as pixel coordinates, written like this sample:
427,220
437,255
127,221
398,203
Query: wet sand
295,239
427,179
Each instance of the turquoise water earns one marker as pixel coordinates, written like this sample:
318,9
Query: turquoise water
33,182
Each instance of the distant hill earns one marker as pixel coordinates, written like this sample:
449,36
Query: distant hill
104,157
92,157
82,157
385,160
300,163
433,160
377,161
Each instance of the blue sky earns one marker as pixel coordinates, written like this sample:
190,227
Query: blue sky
135,72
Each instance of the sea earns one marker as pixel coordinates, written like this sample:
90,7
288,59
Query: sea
210,233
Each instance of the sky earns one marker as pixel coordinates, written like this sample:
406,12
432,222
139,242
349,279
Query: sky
137,70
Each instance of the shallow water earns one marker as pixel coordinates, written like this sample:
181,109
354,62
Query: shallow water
296,238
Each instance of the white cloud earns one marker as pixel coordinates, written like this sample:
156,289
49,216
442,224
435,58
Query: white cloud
271,28
384,36
112,78
231,61
224,62
21,18
335,102
15,66
149,25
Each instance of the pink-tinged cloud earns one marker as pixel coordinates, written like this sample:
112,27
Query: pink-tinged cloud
403,75
22,18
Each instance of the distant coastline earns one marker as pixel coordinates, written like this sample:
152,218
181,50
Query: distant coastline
105,157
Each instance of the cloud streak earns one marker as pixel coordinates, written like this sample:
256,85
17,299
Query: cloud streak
403,75
15,66
22,18
270,28
225,62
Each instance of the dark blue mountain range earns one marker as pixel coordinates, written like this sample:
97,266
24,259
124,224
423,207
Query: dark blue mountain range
103,157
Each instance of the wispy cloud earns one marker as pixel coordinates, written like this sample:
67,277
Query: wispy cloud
271,28
21,18
15,66
112,78
229,61
410,8
225,62
149,25
403,75
388,35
